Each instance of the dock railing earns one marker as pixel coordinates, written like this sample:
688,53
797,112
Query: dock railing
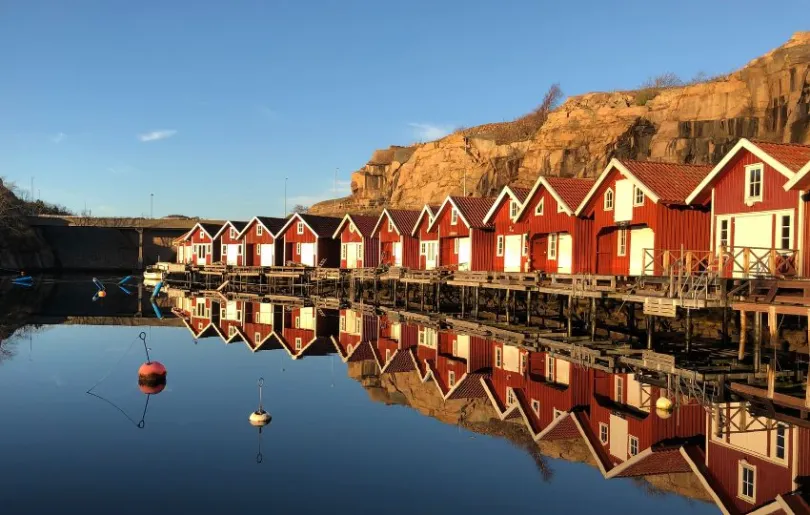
727,262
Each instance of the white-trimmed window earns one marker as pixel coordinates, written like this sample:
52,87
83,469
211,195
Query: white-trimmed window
298,344
453,216
257,317
224,250
422,249
297,322
349,349
233,234
451,379
747,482
298,249
199,326
560,208
608,200
231,331
259,229
539,208
390,225
257,337
510,396
455,347
753,182
343,323
638,196
359,251
455,245
524,362
239,250
552,245
343,251
618,389
785,231
300,228
514,207
558,413
781,441
525,244
621,247
632,445
723,232
536,407
498,357
603,433
550,369
387,355
499,250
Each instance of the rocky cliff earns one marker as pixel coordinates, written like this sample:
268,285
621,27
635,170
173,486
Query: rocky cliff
768,99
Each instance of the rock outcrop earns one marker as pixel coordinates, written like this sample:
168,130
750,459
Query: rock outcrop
767,99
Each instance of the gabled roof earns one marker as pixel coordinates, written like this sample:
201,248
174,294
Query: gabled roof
428,209
365,225
519,195
239,226
785,158
569,192
210,230
667,183
271,224
322,226
404,220
472,211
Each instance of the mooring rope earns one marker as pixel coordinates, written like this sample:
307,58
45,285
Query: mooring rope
115,365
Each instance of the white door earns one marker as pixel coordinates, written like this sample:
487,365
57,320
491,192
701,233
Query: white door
641,238
232,311
202,253
181,254
234,251
308,254
351,255
618,437
431,253
464,253
564,251
398,253
623,203
756,233
268,254
513,246
306,318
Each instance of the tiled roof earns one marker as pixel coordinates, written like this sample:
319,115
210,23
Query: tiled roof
470,388
564,430
272,224
434,208
671,182
572,190
793,155
474,210
362,352
324,226
401,362
211,229
404,219
665,461
521,193
364,224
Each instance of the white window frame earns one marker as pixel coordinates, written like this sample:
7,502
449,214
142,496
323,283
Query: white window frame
524,362
618,389
300,228
632,445
343,323
638,200
231,331
784,430
349,348
451,378
387,355
514,208
609,200
552,245
233,233
455,245
621,243
604,434
343,251
360,251
510,396
524,245
536,407
560,208
551,369
299,344
390,225
199,326
498,357
500,245
540,207
741,466
453,216
723,241
297,322
224,249
257,337
422,249
259,230
557,413
750,199
780,227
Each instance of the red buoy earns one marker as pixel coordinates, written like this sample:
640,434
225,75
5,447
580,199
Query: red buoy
152,368
151,388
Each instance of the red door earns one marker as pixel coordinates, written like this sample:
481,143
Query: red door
539,252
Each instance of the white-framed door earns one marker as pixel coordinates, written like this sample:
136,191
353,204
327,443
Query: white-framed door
351,254
565,246
397,249
431,254
234,250
756,233
641,238
181,254
513,248
267,254
308,254
464,253
618,437
201,251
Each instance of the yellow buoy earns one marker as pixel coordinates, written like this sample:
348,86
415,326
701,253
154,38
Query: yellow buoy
663,407
259,418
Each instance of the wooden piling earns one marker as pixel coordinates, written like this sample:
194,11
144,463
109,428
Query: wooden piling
650,331
593,319
528,308
743,334
569,327
757,341
773,327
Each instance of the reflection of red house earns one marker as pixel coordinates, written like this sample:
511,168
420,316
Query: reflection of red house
307,330
466,242
196,247
454,362
398,246
428,239
261,320
262,247
755,212
559,241
395,348
357,332
308,240
230,319
639,209
202,318
227,240
358,247
511,251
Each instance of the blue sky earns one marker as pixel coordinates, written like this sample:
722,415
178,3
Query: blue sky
210,105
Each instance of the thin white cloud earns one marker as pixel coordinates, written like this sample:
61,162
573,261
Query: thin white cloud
429,131
156,135
59,138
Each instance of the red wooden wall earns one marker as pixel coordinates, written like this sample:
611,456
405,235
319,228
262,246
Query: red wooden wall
729,188
504,226
199,237
252,240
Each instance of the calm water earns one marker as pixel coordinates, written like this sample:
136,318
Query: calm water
329,448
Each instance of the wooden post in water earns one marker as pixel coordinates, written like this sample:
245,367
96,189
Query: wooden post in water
771,378
477,300
439,297
593,318
422,288
528,308
650,331
569,327
725,326
688,330
773,327
463,295
506,306
407,299
743,334
757,341
140,249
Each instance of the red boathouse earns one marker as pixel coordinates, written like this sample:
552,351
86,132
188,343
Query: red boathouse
198,245
428,239
262,245
466,242
398,246
639,212
511,250
358,249
309,240
230,244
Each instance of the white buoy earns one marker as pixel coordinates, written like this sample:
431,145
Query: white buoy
663,407
260,418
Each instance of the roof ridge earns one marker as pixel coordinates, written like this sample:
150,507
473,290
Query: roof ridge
662,162
785,144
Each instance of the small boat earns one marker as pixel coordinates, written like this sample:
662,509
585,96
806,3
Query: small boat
153,273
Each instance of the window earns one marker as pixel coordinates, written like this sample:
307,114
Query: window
609,200
455,347
753,183
747,481
500,246
359,251
780,441
349,349
498,354
523,362
550,369
453,216
633,445
224,250
618,389
784,237
199,326
451,379
231,331
536,407
514,207
300,228
298,344
510,396
342,322
560,208
552,246
603,433
387,355
422,250
343,251
538,209
525,250
257,337
233,234
257,317
558,413
621,248
202,234
724,233
259,229
258,250
298,249
298,322
638,196
455,245
239,250
358,325
390,225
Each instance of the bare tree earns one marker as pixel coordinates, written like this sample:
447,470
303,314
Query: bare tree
300,208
